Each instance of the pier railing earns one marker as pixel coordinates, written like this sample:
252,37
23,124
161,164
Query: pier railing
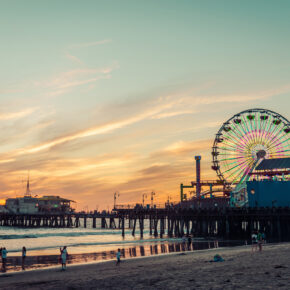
147,206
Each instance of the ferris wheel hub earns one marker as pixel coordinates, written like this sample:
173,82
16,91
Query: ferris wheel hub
259,151
261,154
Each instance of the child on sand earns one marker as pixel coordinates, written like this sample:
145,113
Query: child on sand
264,238
254,241
63,256
118,255
23,257
260,240
4,257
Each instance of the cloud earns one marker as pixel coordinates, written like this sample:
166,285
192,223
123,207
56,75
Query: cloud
74,58
97,130
82,82
90,44
171,114
161,108
240,98
77,77
182,147
6,161
17,115
65,81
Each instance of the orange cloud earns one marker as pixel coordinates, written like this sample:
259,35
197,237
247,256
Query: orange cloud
98,130
17,115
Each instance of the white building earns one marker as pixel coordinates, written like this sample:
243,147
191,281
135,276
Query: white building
34,205
26,204
3,209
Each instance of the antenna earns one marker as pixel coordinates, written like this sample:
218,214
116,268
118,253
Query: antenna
27,187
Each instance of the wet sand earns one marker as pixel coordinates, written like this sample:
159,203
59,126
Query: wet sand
241,269
36,260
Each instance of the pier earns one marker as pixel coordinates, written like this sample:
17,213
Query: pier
59,220
226,223
221,223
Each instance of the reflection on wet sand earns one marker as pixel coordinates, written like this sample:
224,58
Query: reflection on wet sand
34,262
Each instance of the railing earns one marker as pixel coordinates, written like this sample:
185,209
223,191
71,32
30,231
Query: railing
124,206
147,206
212,182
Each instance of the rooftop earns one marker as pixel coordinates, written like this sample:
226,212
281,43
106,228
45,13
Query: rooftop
275,163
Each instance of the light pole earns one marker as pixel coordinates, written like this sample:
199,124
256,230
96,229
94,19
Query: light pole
152,194
168,200
143,196
116,194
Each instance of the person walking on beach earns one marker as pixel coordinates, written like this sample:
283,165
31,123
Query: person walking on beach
264,238
183,240
118,255
254,241
63,256
189,242
23,257
260,241
4,258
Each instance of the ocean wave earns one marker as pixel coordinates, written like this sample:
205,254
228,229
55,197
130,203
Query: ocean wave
69,234
120,243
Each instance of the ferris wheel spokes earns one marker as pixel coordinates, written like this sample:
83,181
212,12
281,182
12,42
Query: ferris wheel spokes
244,135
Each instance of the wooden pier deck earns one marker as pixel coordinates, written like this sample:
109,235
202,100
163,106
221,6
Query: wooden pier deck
58,220
226,223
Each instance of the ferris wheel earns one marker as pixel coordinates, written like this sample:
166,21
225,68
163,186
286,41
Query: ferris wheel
247,137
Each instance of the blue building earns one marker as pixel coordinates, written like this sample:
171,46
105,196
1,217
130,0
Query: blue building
273,188
268,193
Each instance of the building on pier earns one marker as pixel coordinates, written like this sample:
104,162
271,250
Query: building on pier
275,169
54,204
29,204
268,193
34,205
26,204
3,209
271,184
267,184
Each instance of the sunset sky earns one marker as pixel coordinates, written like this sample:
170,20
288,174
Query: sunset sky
104,96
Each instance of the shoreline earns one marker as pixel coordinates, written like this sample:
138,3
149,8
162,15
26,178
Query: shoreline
113,260
268,269
34,262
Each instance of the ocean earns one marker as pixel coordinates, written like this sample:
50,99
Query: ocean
88,245
79,240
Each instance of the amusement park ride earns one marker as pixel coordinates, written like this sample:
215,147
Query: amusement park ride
243,142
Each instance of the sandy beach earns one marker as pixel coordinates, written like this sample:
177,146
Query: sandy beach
241,269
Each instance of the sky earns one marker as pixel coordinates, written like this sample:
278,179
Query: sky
98,97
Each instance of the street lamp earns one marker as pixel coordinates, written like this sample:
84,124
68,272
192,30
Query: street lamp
168,200
116,194
143,196
152,194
